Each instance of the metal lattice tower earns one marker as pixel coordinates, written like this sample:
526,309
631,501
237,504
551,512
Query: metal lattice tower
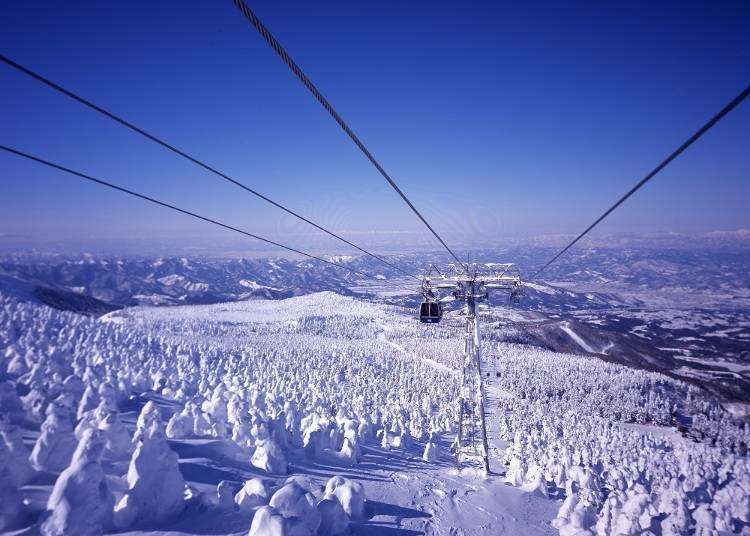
472,288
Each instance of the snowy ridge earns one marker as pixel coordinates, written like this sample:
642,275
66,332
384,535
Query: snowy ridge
177,280
262,311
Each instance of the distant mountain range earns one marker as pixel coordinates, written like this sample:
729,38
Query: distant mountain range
122,282
686,312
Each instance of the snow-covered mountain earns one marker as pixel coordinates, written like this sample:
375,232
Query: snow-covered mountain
177,280
675,310
61,299
331,414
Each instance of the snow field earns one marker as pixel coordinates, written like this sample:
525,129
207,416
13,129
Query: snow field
274,392
597,434
321,379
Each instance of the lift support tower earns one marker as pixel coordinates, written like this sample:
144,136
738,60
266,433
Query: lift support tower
471,284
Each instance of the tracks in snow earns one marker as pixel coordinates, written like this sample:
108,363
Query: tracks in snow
494,396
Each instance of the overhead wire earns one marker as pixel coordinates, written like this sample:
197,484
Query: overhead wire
194,160
164,204
276,46
677,152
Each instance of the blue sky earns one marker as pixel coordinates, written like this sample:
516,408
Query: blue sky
497,119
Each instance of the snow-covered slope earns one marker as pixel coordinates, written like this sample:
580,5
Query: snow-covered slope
177,280
322,304
348,397
59,299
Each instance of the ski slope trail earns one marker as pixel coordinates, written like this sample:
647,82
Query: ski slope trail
494,396
466,500
381,335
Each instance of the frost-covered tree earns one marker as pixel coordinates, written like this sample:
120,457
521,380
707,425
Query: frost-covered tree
155,485
81,502
55,446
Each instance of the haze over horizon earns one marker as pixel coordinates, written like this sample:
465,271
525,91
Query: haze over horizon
393,243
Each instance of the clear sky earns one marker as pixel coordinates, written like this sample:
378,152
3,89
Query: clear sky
497,118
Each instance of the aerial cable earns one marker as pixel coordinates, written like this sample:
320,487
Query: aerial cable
185,155
181,210
700,132
276,46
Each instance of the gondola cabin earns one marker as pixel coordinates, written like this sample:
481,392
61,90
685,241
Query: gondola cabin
430,312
